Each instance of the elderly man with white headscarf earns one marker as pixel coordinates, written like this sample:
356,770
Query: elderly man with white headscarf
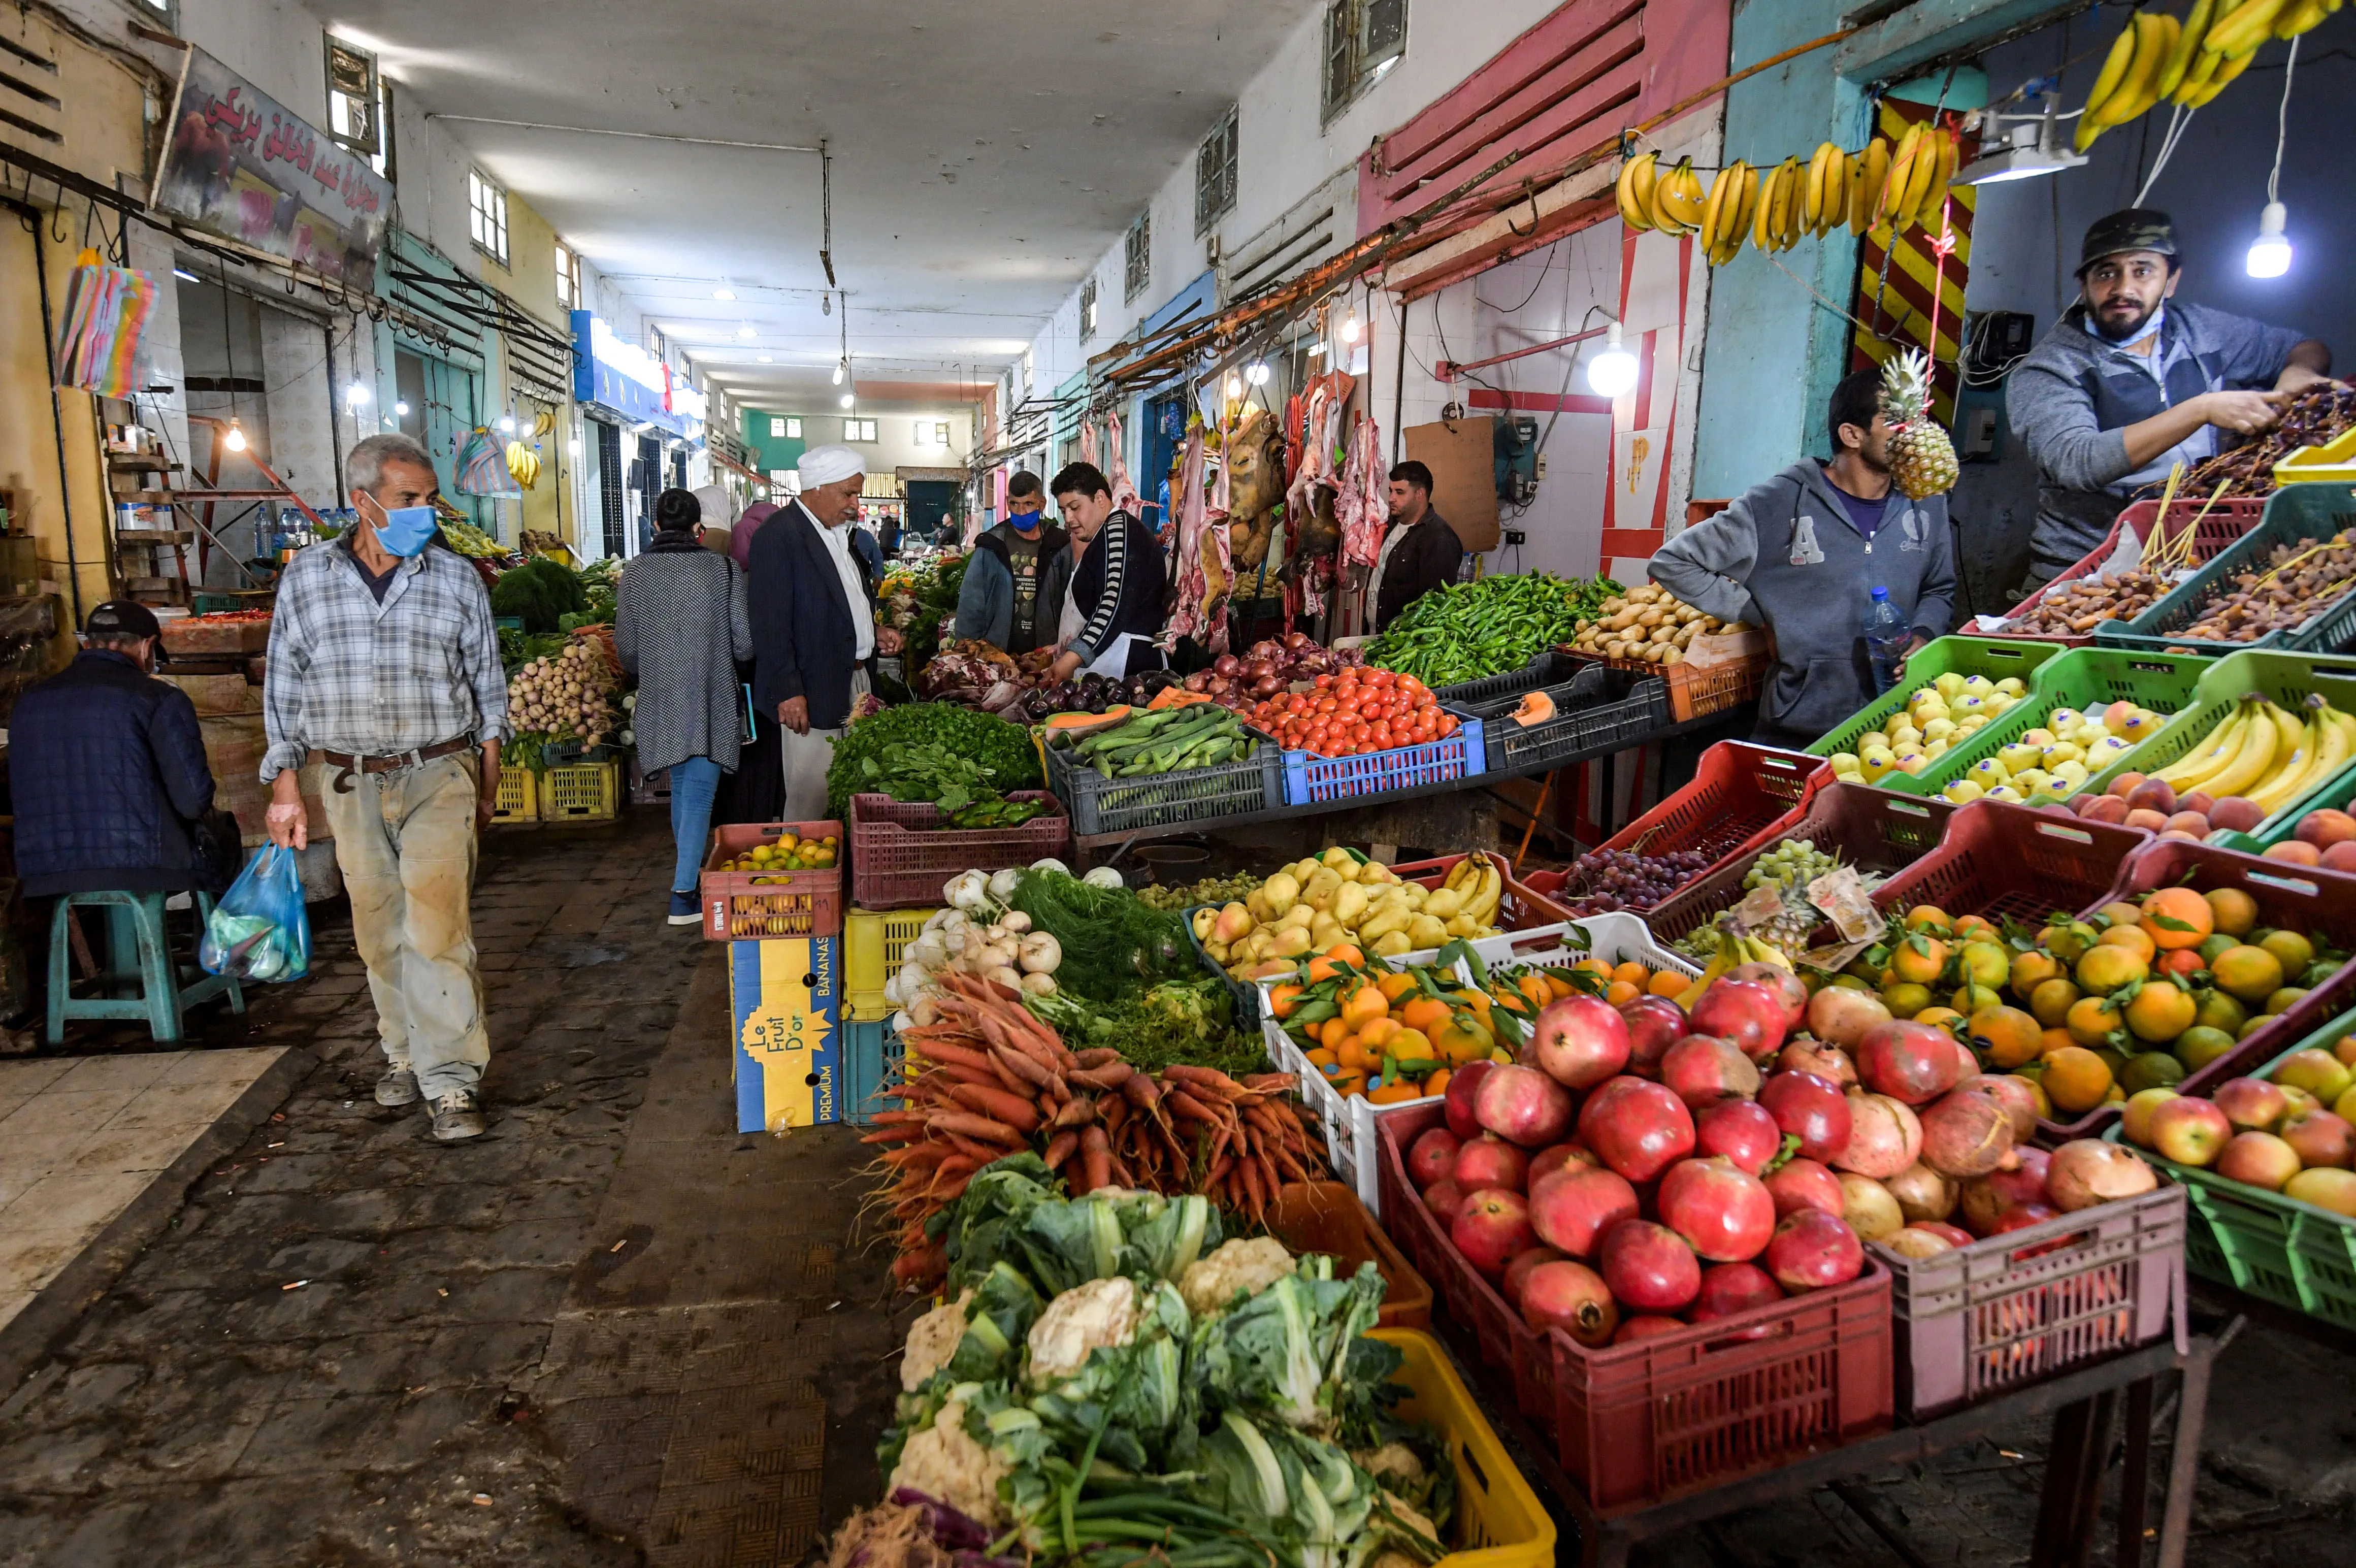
814,633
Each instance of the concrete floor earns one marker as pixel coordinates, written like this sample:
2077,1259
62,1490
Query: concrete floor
614,1331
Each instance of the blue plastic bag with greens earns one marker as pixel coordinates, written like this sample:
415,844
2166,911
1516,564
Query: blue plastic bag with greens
259,929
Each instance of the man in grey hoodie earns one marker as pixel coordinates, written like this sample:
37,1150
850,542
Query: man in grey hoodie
1802,554
2132,381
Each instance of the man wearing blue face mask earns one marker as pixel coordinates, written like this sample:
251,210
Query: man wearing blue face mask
999,601
384,663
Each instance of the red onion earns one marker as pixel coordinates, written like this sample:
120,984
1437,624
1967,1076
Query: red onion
1197,683
1266,686
1226,664
1219,686
1266,649
1254,669
1295,640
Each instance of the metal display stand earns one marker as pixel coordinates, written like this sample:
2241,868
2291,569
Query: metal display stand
2082,1403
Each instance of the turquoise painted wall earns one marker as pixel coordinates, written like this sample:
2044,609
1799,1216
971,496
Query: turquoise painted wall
771,451
1772,352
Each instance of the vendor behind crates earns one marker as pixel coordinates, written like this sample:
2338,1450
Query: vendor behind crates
1420,552
1116,584
1803,552
1000,602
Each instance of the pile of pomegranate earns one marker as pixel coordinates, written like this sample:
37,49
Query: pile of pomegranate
1641,1168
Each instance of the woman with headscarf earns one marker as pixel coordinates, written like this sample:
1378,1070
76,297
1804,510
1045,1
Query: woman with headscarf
719,517
681,627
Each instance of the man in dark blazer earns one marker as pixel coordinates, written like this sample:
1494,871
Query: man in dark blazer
814,633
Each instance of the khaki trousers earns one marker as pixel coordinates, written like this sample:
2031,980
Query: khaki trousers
406,843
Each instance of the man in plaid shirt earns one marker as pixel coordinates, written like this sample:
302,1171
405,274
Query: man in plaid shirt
384,663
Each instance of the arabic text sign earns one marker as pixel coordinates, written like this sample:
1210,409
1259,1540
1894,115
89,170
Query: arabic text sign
245,167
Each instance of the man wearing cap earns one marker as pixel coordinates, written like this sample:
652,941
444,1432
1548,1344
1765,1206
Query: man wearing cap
2132,381
814,633
384,662
108,770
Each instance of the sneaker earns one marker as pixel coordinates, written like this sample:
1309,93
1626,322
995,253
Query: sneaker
398,1087
686,909
456,1117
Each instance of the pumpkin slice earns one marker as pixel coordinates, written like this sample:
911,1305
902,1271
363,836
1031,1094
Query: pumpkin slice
1536,709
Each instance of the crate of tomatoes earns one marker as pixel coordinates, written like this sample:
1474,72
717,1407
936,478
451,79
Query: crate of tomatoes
1365,732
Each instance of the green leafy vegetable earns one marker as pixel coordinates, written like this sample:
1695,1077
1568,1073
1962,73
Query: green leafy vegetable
1002,751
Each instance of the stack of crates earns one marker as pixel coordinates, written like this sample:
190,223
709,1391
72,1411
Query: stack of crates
874,944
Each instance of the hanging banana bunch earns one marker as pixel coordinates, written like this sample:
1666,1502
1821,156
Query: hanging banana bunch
2187,62
1915,188
1733,199
1634,191
543,423
1825,190
524,463
1868,173
1679,203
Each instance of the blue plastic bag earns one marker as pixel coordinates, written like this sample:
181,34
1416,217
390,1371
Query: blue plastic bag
259,929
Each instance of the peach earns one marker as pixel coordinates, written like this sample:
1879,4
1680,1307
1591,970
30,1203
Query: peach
2327,827
2236,814
2180,836
2340,856
2152,795
2105,808
2295,852
2200,800
2124,784
2192,822
2139,817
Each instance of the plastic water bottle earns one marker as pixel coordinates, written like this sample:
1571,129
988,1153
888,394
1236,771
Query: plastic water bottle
1886,637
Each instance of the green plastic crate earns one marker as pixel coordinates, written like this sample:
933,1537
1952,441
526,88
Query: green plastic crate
2080,678
2285,675
1996,659
2275,1247
2294,513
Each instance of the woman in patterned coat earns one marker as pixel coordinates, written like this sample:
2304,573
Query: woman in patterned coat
680,626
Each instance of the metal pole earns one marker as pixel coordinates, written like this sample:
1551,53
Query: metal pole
57,410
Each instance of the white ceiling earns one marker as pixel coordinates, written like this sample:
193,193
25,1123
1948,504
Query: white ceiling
985,155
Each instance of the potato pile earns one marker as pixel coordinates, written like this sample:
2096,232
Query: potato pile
1649,624
2076,610
2300,582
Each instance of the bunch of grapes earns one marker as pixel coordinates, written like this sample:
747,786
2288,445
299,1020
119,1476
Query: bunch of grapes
1611,879
1794,863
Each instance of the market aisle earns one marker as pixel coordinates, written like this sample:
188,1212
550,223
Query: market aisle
394,1405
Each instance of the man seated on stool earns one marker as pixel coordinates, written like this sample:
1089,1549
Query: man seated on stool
108,769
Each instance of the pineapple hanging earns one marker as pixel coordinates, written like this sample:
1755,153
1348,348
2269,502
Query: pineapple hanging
1922,458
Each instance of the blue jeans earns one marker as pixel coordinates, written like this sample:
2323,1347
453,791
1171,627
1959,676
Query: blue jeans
692,785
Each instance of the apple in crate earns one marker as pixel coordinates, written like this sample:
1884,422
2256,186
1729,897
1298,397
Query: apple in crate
2189,1130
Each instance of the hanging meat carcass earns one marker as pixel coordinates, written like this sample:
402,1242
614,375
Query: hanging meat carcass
1205,568
1311,534
1363,508
1254,468
1124,488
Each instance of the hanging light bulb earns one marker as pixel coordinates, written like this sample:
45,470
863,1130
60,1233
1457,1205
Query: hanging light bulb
1350,328
507,425
2270,251
1256,372
355,394
1612,373
1235,387
848,400
401,407
574,446
838,373
235,439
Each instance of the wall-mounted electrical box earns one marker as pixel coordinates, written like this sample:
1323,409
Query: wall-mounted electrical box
1516,445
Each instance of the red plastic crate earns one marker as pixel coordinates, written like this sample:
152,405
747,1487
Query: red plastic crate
2013,1309
2218,527
1873,829
1639,1423
2298,898
1519,907
1998,859
901,855
737,907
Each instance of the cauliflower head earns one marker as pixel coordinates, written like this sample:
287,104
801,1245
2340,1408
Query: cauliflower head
1250,1267
943,1461
1101,1312
1392,1464
932,1341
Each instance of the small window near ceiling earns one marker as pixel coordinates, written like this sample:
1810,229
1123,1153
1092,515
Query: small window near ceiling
1088,310
163,14
1136,256
793,428
923,433
1363,38
777,427
859,430
941,434
568,278
352,97
486,215
1214,174
1029,377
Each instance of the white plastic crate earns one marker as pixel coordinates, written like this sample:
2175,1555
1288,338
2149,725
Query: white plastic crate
1350,1118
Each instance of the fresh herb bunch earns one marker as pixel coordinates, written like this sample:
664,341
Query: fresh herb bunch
1466,632
932,773
540,592
936,585
1003,751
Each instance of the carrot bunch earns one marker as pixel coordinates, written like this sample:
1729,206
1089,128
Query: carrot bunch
987,1079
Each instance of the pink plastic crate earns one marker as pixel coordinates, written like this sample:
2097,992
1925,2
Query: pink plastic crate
901,855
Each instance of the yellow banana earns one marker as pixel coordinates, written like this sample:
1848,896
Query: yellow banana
1827,159
1678,201
2299,15
1835,211
1725,201
1890,206
1919,179
1634,190
2325,753
1789,198
2202,68
1730,952
2227,69
1743,215
2154,49
1763,225
1866,213
2208,757
2107,82
2252,24
2254,758
2187,46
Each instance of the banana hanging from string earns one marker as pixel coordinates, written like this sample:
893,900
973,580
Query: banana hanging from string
1634,190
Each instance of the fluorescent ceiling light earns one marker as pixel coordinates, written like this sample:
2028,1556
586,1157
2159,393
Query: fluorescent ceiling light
2033,149
724,294
184,276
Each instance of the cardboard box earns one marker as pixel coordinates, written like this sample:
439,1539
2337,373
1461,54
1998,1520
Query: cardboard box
784,1000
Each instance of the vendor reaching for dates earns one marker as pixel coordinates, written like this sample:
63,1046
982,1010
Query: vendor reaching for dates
1803,553
2128,383
1116,583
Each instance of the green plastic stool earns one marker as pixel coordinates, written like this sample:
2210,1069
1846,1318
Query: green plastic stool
142,979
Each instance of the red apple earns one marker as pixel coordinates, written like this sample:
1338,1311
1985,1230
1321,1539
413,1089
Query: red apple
2189,1130
2260,1159
2252,1104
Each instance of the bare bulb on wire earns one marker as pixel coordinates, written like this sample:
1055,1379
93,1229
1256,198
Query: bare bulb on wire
235,439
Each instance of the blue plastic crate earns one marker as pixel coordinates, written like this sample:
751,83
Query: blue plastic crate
1310,779
871,1059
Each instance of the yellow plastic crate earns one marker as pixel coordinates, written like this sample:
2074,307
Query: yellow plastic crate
517,802
867,1007
582,792
2332,463
874,946
1500,1522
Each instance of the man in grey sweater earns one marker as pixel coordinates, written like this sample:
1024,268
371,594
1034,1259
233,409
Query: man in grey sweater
2130,383
1803,553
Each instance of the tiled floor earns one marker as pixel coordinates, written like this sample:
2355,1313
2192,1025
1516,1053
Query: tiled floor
80,1138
